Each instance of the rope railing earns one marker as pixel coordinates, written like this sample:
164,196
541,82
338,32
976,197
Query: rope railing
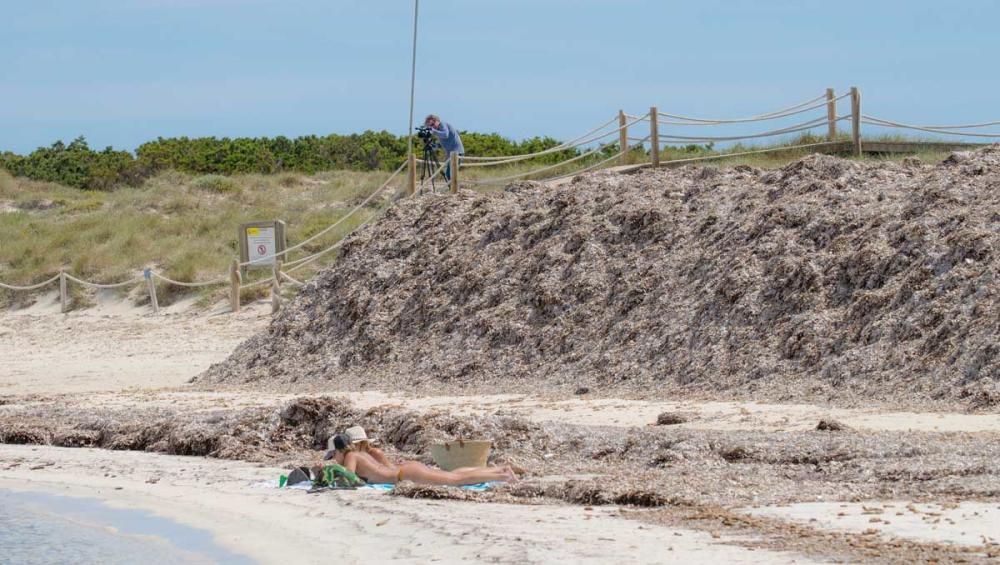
291,279
674,119
871,120
31,287
561,147
589,168
965,126
588,138
255,284
790,129
754,152
132,281
213,282
501,180
799,105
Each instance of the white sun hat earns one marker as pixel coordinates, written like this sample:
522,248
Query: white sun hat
356,434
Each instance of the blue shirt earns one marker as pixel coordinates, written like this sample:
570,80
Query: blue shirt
449,138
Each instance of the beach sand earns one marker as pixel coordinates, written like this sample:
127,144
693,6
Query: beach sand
114,357
238,502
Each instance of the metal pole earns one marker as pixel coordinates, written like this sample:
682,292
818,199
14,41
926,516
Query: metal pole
413,80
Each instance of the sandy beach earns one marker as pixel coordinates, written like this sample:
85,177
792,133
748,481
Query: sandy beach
248,515
122,356
127,359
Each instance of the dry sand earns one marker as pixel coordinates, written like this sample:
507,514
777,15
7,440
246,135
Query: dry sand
225,496
115,346
118,354
966,523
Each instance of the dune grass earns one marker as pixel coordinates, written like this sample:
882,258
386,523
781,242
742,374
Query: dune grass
183,226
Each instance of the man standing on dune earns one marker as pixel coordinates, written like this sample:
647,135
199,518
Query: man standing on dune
449,138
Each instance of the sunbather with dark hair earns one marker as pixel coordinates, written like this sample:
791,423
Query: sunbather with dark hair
373,471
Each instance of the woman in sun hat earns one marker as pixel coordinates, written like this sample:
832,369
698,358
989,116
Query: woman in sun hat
359,440
373,471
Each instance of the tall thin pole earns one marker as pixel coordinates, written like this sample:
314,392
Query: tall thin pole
413,80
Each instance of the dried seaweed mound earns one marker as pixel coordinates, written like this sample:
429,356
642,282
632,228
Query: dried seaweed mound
298,428
825,279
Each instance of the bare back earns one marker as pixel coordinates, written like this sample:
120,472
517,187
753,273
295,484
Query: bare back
368,468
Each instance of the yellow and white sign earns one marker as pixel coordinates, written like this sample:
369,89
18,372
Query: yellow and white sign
261,245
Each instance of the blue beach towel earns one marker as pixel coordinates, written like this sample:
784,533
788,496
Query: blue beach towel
478,487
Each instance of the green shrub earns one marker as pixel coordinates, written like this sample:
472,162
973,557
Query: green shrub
79,166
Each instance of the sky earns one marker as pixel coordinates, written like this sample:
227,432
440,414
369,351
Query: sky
121,72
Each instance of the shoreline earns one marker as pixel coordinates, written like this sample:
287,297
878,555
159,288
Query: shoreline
90,530
271,525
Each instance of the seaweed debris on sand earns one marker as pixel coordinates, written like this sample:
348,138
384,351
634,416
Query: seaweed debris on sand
826,280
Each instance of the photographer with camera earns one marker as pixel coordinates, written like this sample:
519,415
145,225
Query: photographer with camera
450,141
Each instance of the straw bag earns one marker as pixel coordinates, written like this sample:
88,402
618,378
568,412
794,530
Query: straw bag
461,453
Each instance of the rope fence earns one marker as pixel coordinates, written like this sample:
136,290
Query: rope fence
590,145
946,130
688,121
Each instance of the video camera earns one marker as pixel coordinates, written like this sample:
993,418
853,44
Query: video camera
427,136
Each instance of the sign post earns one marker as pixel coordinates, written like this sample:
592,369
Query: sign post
261,244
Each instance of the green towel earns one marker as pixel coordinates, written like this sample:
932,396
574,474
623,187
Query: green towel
335,475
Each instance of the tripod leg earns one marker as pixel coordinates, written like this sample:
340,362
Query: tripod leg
434,169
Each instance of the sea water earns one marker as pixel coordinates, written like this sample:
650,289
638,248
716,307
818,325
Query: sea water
40,528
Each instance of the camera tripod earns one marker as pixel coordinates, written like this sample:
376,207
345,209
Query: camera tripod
430,163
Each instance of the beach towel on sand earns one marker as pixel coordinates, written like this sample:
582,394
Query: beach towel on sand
332,476
337,477
479,487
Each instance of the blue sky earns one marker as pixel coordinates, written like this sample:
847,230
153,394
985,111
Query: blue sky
121,72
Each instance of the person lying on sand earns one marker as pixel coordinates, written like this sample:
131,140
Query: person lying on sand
373,471
359,440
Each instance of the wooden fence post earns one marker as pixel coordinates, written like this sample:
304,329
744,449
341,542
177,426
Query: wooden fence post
151,285
63,295
234,285
654,137
856,120
454,171
411,175
622,137
831,115
276,287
